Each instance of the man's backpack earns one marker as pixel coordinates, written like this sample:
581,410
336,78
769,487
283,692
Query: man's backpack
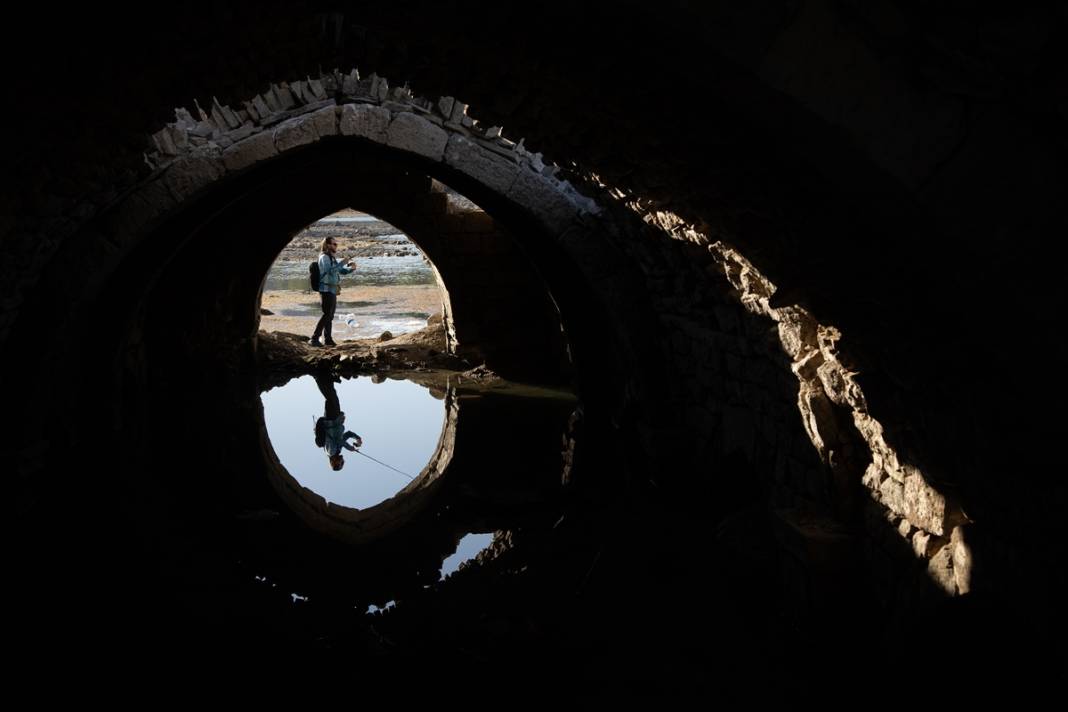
313,272
320,433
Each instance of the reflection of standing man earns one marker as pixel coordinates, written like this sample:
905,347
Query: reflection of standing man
330,271
330,433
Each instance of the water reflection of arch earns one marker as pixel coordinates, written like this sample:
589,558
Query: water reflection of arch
360,526
498,463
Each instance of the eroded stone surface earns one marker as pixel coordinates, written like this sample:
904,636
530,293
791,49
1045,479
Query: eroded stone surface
256,148
538,194
364,120
489,168
924,506
189,174
413,133
302,130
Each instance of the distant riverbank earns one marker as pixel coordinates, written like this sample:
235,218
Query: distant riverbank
392,289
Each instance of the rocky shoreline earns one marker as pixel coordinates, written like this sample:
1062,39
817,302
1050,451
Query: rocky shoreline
418,356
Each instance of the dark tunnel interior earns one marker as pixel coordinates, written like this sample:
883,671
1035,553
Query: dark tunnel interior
748,355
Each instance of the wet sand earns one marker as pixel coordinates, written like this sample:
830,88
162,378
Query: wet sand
398,309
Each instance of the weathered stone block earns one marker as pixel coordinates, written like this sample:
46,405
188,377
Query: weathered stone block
888,456
242,132
940,569
904,528
459,113
488,168
919,541
926,545
806,367
252,111
873,477
298,131
271,99
892,495
325,120
251,150
284,96
924,506
536,163
261,107
164,142
962,560
364,120
350,83
306,128
834,382
189,174
541,197
316,88
413,133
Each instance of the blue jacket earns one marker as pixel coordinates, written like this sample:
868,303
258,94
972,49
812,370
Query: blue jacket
330,271
336,435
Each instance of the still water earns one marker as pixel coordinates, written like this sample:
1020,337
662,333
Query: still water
399,422
383,270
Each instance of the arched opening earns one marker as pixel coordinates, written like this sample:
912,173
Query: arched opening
390,289
731,172
603,274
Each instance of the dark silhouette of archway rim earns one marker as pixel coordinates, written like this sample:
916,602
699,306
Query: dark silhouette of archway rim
274,168
438,137
767,71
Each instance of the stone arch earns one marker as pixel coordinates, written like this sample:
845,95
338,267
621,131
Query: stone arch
778,250
194,155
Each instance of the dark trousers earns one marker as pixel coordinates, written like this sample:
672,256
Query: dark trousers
332,406
326,321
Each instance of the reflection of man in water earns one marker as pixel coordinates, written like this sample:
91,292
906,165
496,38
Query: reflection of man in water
330,433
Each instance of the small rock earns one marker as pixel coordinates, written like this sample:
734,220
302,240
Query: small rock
266,312
386,336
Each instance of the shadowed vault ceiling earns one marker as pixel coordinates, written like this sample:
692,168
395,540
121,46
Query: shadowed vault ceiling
802,253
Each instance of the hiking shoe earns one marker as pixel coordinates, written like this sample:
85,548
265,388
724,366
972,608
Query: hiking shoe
329,342
315,342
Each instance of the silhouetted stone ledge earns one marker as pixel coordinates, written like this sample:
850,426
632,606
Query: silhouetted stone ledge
419,349
413,356
418,355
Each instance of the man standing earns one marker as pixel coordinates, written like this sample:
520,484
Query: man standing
330,271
